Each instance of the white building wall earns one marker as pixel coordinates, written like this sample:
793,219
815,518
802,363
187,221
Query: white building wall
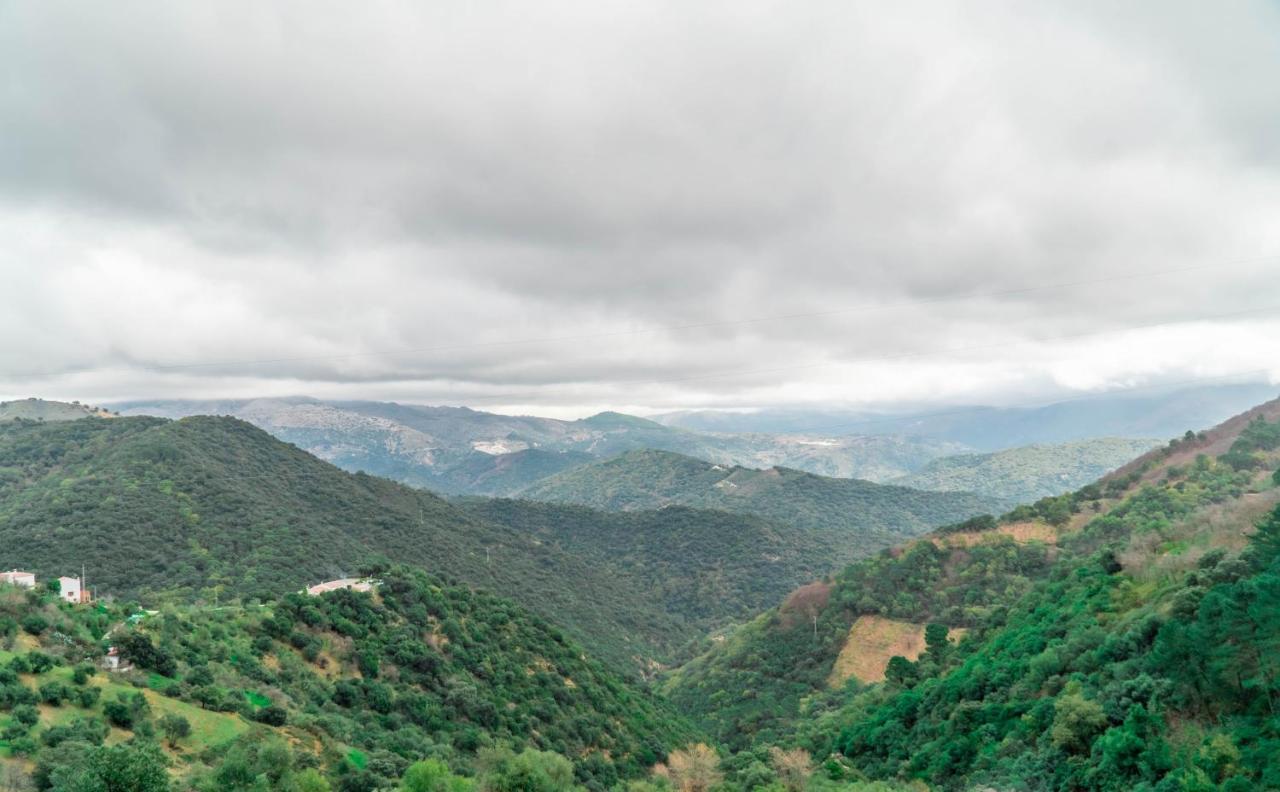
16,578
69,588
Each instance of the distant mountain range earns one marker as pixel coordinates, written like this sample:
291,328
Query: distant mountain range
1161,415
455,450
459,451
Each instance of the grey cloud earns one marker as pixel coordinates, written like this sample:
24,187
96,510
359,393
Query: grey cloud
302,180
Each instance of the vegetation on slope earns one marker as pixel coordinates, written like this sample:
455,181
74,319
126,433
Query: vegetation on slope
213,508
852,517
704,566
1135,653
1028,473
345,690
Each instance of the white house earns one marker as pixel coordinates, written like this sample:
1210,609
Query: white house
70,591
15,578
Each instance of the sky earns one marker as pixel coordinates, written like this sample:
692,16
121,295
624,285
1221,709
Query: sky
565,207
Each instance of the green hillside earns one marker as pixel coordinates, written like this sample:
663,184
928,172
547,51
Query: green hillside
1122,637
213,508
342,691
852,517
1028,473
704,566
497,475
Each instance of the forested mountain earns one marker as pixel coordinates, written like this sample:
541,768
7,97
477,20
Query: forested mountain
852,517
346,690
702,565
461,451
456,450
1120,637
1136,415
1116,637
215,508
1028,473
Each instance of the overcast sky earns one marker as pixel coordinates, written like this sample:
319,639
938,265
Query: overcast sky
563,207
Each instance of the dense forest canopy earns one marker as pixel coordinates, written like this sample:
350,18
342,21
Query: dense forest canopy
213,509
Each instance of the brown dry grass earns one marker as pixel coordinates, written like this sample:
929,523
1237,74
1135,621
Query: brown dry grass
872,641
1022,533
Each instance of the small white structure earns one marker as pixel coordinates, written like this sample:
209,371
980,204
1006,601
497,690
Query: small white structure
114,662
355,584
70,591
15,578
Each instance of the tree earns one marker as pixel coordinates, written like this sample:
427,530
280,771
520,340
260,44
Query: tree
174,727
127,767
310,780
272,715
432,775
935,640
35,624
1076,721
692,769
528,771
900,671
119,714
1266,540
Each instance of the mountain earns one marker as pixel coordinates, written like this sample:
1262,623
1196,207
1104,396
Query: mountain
503,474
1119,637
702,565
455,450
852,517
1028,473
210,508
1160,414
347,687
44,410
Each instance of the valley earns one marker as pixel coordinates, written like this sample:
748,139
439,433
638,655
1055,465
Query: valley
630,609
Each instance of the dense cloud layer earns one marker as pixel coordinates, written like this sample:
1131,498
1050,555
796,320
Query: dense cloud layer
577,205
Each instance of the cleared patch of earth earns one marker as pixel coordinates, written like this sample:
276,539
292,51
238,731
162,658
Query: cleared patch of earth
872,641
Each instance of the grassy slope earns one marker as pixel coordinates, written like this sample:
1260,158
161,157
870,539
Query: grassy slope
44,410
